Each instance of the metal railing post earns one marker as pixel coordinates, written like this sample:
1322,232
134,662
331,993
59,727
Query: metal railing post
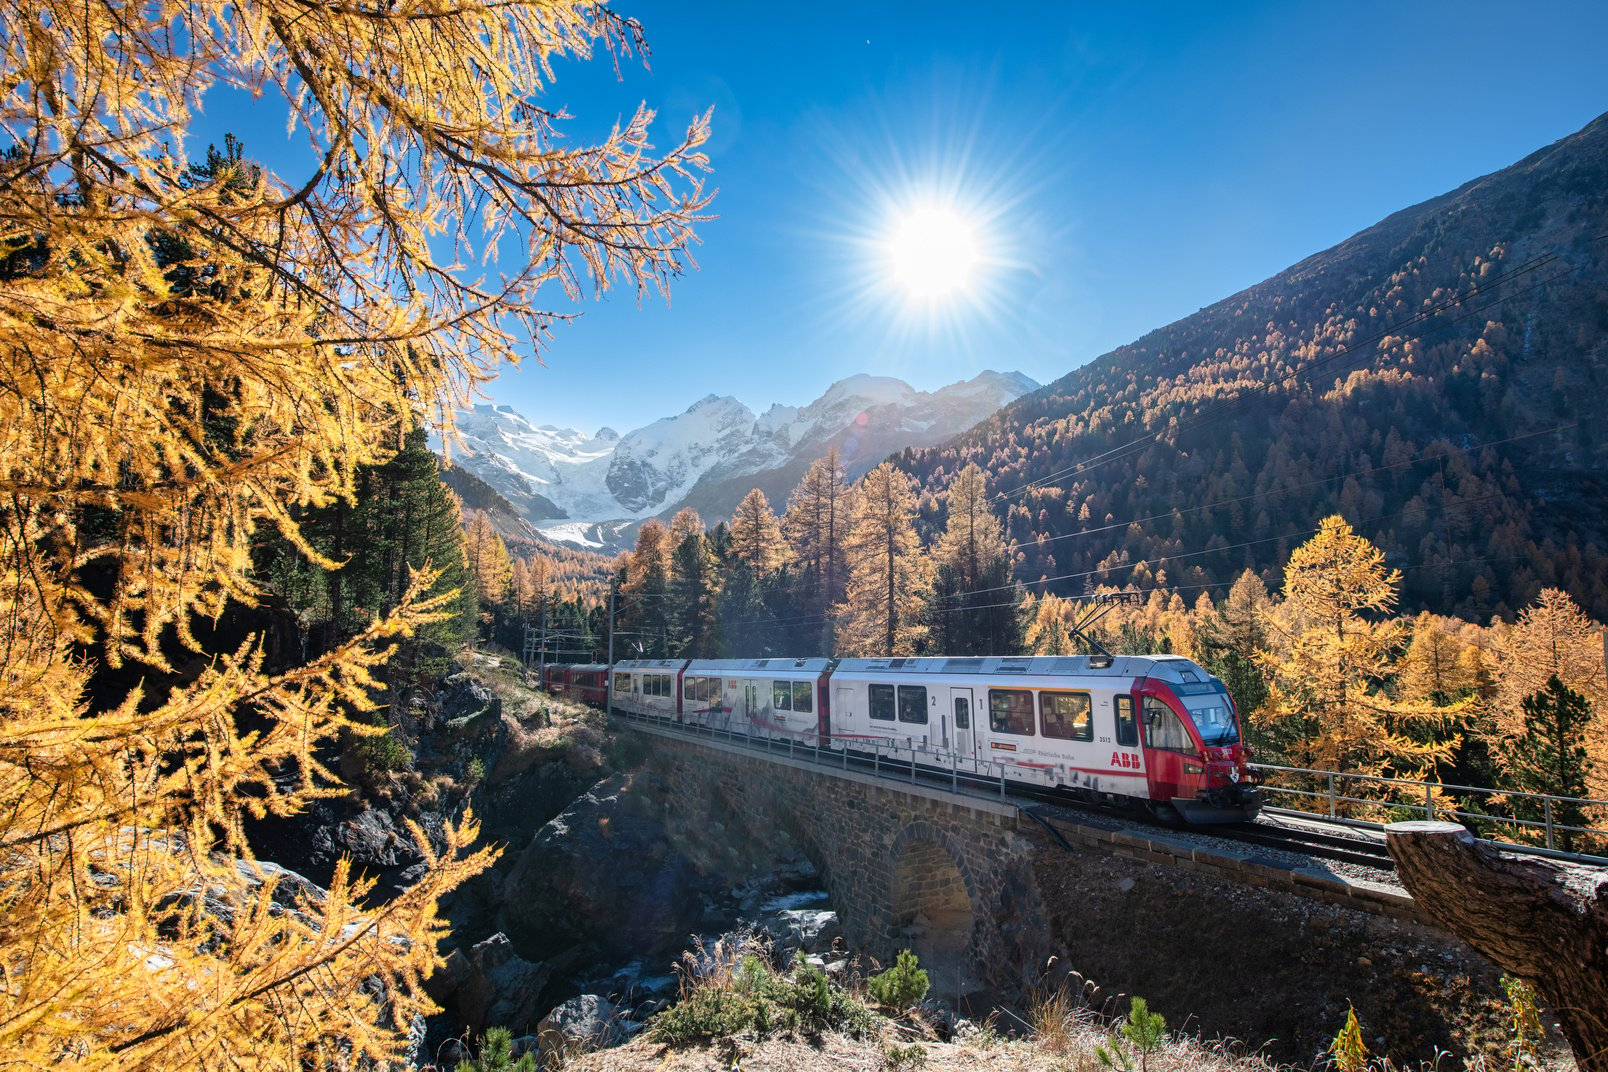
1429,801
1332,800
912,764
1002,781
1550,845
876,762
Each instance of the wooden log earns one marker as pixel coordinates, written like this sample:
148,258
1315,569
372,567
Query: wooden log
1537,921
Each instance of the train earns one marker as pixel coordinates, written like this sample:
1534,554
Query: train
1153,731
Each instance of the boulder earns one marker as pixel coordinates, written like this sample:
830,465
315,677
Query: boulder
806,929
602,873
579,1025
501,989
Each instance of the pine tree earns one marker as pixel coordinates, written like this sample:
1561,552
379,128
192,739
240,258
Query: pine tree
885,607
1325,704
1550,756
189,360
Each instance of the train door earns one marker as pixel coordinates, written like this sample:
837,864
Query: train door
750,703
960,716
1168,749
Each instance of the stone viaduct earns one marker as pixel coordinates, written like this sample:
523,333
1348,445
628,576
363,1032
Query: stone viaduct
945,873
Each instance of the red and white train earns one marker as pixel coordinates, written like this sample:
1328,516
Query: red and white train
1156,730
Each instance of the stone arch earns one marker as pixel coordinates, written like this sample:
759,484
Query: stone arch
932,903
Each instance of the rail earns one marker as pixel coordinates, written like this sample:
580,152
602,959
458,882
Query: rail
885,759
1421,798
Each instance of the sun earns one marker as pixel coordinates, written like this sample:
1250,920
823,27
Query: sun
933,251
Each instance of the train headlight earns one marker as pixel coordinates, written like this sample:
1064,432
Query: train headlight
1193,768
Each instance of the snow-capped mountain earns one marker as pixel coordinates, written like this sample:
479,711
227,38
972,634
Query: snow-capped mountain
594,489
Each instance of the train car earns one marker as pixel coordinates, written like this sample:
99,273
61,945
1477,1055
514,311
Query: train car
777,698
555,679
588,683
649,687
1156,730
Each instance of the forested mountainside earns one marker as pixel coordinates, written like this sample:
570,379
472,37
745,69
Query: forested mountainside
1439,379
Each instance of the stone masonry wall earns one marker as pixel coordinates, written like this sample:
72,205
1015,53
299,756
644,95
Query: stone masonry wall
857,831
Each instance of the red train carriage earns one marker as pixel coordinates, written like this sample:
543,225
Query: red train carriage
588,683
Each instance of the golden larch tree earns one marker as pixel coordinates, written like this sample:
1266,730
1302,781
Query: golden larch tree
884,609
1554,637
191,355
1048,625
756,535
490,567
816,522
1326,705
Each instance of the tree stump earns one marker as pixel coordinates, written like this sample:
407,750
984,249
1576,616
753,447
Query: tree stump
1536,921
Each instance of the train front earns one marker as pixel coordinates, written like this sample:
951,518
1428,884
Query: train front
1194,753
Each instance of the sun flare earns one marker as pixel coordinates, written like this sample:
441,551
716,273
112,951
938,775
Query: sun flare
933,251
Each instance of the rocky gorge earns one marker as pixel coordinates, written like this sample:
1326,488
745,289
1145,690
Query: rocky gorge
574,935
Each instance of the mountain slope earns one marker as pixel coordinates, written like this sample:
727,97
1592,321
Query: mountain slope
592,489
1463,436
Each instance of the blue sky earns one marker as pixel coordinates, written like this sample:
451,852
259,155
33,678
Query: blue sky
1124,165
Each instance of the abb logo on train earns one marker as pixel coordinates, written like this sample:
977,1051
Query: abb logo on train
1044,721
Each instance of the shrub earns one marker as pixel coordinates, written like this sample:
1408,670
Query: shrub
901,986
1348,1052
896,1058
497,1055
734,990
1145,1032
1525,1023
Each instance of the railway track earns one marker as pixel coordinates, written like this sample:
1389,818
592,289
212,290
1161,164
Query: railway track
1362,852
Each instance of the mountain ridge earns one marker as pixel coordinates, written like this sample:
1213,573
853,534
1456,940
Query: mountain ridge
1463,443
594,490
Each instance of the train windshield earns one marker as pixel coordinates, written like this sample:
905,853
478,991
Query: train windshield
1213,716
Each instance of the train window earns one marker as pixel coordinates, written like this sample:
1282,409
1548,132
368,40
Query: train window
622,682
782,695
881,702
1127,728
803,696
1066,716
913,703
1011,711
962,713
1163,728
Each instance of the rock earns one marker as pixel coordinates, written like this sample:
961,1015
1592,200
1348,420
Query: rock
602,871
502,988
581,1024
461,696
451,1054
525,1044
811,930
1126,885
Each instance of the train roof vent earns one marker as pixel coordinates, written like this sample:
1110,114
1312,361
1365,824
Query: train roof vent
895,664
963,664
1013,666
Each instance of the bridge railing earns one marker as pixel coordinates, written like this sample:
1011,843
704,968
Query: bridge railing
1333,794
886,758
